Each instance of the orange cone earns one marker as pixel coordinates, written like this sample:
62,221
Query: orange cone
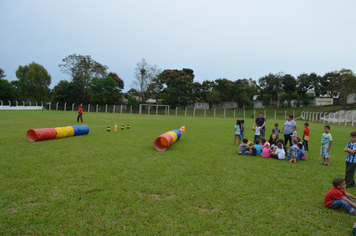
115,129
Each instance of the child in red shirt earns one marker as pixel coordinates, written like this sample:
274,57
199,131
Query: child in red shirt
337,197
306,136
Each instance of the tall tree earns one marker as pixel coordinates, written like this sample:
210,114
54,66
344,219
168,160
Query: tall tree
178,87
330,83
7,92
104,91
347,84
82,69
144,75
33,83
2,73
272,84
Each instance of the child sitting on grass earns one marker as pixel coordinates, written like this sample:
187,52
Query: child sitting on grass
293,151
263,141
258,146
299,142
266,151
251,151
273,140
337,197
301,156
278,152
243,146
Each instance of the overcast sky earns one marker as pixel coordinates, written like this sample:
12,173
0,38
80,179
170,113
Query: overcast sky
217,39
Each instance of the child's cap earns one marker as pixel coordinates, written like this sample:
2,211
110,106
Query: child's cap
267,144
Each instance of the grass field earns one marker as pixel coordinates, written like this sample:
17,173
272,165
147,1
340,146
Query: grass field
117,184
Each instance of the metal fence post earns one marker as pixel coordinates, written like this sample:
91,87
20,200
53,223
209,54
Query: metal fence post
176,111
345,118
106,108
130,109
214,112
88,107
204,112
194,111
97,107
275,114
113,110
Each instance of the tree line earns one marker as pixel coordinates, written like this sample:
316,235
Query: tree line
91,83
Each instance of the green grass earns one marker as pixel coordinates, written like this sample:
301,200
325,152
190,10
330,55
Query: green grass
117,184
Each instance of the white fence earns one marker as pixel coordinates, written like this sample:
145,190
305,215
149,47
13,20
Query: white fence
346,118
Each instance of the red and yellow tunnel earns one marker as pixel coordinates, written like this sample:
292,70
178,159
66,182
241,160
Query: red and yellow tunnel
167,139
34,135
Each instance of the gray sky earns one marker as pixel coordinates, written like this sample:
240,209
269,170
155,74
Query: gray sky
217,39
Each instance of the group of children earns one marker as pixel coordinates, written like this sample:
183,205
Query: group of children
275,147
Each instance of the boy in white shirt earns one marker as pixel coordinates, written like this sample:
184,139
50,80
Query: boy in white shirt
257,130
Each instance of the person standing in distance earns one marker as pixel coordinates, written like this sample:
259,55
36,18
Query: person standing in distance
80,114
261,120
287,130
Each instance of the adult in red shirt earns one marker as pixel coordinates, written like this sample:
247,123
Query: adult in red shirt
337,197
80,114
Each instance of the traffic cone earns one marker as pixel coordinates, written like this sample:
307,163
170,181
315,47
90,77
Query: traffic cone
122,126
128,125
108,128
115,129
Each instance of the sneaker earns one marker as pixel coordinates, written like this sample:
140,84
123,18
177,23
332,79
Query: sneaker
327,164
324,163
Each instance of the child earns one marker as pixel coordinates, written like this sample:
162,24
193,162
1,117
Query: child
299,142
301,156
326,141
251,151
294,134
350,161
257,130
279,153
266,152
242,132
243,146
263,141
283,146
276,130
258,146
293,151
337,197
306,136
237,132
273,140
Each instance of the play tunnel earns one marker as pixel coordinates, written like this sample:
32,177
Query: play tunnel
34,135
167,139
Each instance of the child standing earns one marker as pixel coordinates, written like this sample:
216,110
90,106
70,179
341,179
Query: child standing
242,132
350,161
257,130
293,151
279,153
237,132
306,136
294,134
276,130
337,197
326,141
